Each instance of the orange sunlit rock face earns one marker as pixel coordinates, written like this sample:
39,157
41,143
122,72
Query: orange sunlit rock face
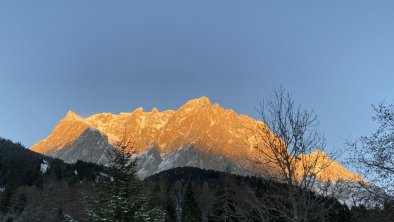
325,168
67,130
209,127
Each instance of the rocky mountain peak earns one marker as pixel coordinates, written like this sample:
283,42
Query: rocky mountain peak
154,110
139,110
202,101
72,116
215,132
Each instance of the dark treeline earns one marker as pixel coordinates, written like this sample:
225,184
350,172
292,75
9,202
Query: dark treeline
222,196
20,166
185,194
227,197
30,194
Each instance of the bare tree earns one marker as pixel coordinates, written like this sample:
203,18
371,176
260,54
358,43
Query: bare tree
373,156
289,144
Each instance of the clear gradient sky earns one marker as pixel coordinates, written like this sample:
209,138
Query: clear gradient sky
112,56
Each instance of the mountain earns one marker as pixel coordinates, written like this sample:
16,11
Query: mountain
34,187
198,134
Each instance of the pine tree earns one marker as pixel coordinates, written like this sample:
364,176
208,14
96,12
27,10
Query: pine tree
120,195
191,212
225,206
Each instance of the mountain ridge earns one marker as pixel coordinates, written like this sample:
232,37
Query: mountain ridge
210,129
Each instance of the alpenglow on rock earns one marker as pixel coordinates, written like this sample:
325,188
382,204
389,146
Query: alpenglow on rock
199,134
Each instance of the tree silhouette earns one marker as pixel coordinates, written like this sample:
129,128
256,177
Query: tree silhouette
191,212
120,194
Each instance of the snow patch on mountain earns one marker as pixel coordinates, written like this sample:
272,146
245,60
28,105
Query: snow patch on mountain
44,166
151,162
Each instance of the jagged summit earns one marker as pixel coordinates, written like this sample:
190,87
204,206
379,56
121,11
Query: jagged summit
196,103
203,100
139,110
154,110
217,136
72,115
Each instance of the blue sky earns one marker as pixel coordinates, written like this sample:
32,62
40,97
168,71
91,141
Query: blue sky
112,56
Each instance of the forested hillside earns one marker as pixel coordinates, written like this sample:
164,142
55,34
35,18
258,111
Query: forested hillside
38,188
